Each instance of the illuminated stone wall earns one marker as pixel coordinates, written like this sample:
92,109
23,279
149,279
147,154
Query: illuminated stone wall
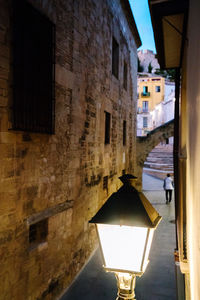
59,177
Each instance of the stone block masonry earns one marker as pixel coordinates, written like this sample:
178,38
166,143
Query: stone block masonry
52,184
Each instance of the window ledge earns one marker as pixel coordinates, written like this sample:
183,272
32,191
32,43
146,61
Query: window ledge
39,247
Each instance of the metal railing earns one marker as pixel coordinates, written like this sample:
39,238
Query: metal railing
145,94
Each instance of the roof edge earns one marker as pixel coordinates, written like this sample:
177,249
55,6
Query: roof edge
131,21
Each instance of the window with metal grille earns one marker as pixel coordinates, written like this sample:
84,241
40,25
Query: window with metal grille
125,76
124,133
107,127
33,69
38,232
145,122
105,182
115,58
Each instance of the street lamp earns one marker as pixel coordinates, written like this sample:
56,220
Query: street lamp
125,226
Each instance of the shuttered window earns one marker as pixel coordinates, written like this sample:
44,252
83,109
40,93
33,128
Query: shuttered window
33,69
145,122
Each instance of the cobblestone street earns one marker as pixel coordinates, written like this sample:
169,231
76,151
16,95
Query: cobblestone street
158,282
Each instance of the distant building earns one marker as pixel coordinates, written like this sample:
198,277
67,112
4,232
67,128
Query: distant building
147,57
155,102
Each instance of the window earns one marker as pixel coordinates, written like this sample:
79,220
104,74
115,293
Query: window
145,106
124,133
107,127
145,92
145,89
38,232
105,182
145,122
125,76
33,70
157,89
115,58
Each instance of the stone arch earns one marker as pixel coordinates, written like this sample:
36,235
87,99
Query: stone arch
145,144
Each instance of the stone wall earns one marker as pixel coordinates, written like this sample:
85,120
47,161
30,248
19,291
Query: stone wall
59,177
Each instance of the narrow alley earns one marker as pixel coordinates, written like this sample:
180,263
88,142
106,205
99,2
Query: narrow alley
158,282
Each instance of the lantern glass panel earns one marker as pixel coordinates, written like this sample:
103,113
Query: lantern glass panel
123,246
146,257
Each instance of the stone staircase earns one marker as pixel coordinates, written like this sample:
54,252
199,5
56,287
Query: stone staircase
160,161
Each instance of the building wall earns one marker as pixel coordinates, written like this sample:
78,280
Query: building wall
190,138
160,104
60,176
155,97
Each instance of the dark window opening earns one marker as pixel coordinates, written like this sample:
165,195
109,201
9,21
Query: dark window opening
38,232
115,58
105,182
107,127
157,89
167,141
123,172
145,89
124,133
125,76
33,70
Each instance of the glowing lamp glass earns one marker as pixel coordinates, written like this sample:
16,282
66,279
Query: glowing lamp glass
125,248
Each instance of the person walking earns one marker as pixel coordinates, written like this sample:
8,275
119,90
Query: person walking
168,186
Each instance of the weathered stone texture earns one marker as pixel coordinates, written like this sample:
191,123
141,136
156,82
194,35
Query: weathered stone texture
60,176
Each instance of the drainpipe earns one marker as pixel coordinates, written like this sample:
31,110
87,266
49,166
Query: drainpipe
176,146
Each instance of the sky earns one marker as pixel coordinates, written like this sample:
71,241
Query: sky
142,17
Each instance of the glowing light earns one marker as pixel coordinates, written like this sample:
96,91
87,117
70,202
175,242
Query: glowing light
123,247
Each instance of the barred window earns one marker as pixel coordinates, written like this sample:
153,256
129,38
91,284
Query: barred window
33,69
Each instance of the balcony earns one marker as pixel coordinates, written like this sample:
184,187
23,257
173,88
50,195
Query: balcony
145,94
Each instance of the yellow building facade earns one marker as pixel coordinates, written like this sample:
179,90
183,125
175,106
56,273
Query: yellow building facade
151,91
